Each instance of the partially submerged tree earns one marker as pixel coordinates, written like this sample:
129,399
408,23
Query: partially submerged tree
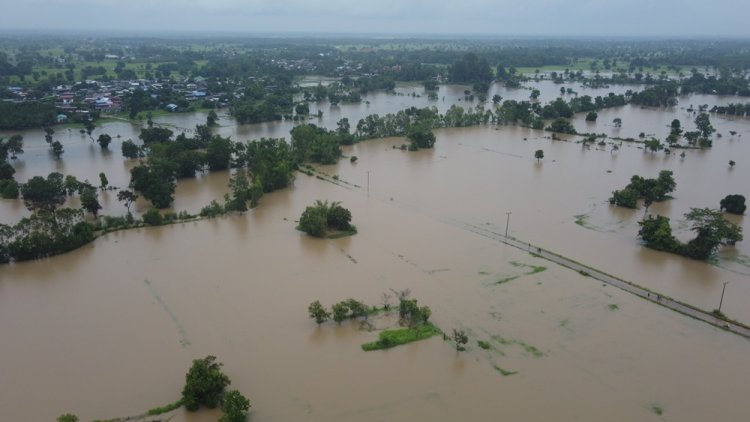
539,154
316,220
420,137
57,149
104,140
127,197
90,200
318,312
734,204
130,149
40,194
235,407
460,338
651,190
711,229
204,384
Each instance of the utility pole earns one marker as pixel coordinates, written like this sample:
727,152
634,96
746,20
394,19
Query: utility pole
368,182
507,223
722,295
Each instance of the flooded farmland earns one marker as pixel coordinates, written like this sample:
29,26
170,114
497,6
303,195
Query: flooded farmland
110,329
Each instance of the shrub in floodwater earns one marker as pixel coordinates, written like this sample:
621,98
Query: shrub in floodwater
152,217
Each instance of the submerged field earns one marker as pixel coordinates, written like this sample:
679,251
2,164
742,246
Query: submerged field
109,330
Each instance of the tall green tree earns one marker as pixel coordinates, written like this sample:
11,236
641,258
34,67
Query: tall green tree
104,140
204,384
90,201
539,154
219,153
734,204
712,231
420,137
40,194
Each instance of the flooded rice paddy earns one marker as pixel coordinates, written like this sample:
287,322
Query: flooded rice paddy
110,329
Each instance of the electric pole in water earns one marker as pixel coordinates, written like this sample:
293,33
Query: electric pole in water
722,295
507,223
368,182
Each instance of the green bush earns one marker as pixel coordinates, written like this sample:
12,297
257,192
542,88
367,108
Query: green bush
212,210
317,219
8,189
153,217
235,407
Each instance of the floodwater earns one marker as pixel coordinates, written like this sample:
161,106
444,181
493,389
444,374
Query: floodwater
110,329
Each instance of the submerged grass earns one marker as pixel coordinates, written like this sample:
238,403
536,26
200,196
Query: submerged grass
483,344
393,338
164,409
342,233
525,346
533,269
530,349
504,372
613,307
656,408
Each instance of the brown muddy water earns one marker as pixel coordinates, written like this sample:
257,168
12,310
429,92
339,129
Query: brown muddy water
109,330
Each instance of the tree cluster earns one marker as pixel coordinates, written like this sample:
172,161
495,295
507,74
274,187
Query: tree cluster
9,148
651,190
321,217
26,115
469,69
205,386
340,311
710,227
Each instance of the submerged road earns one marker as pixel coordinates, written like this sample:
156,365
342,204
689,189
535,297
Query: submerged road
627,286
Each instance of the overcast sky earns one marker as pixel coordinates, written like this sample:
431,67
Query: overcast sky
704,18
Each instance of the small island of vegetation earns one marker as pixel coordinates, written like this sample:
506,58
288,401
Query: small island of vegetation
324,219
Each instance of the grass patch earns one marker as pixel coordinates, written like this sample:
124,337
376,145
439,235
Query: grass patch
500,339
530,349
527,347
564,322
483,344
504,372
613,307
507,279
533,269
581,219
342,233
164,409
393,338
656,408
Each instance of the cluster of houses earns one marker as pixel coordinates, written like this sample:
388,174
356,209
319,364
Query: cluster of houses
107,97
304,65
